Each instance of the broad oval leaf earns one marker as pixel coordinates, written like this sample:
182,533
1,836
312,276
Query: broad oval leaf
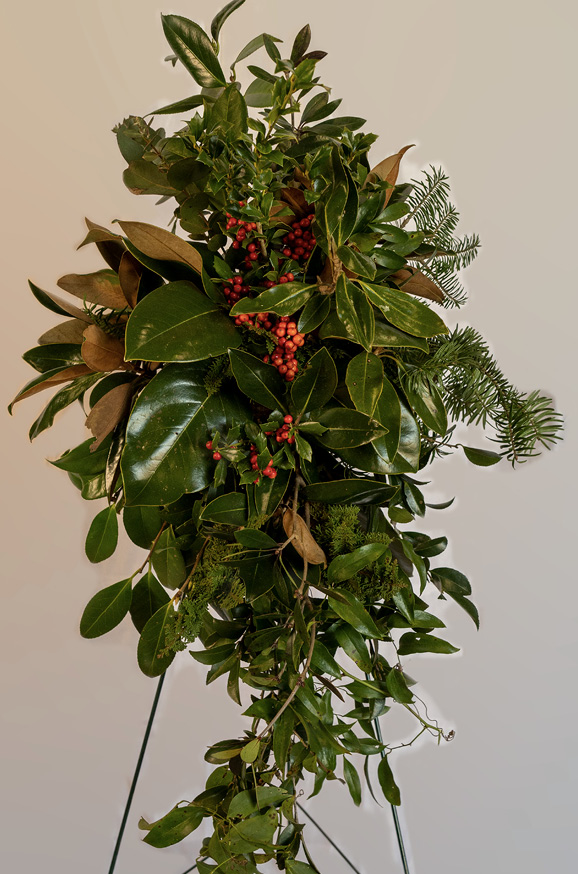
364,381
346,428
161,245
412,642
481,457
404,311
148,596
101,351
177,323
355,312
102,536
176,825
101,288
228,509
152,657
397,687
43,358
106,609
315,386
165,454
259,381
168,561
70,331
193,48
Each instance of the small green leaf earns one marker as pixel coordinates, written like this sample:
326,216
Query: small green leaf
352,780
250,752
106,609
348,608
167,560
175,826
252,538
153,659
411,642
221,16
102,536
387,782
315,385
397,687
481,457
193,47
452,581
148,596
344,567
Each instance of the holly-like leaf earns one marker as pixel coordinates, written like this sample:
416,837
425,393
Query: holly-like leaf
259,381
315,386
102,536
229,113
106,609
177,323
193,48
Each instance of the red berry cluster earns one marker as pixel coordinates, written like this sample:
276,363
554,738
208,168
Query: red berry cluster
288,341
243,228
299,242
216,454
234,290
267,470
284,432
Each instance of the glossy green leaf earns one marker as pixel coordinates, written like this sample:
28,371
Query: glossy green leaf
404,311
179,106
47,301
284,300
481,457
355,312
165,454
106,609
352,611
43,358
343,567
375,456
153,660
60,401
229,113
252,538
143,177
397,687
364,381
102,536
468,606
282,737
314,387
428,404
252,800
357,262
352,780
81,460
388,785
350,491
142,524
250,752
259,93
323,662
346,428
148,596
193,47
167,560
228,509
257,831
252,46
412,642
175,826
353,643
259,381
221,16
177,323
452,581
314,313
294,867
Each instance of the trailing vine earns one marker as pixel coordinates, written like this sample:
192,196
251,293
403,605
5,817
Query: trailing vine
261,396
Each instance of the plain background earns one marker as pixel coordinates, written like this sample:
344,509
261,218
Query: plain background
487,89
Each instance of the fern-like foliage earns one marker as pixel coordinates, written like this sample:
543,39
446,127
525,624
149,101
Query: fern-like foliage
475,390
433,213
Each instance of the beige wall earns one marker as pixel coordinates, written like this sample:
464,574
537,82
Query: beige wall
488,89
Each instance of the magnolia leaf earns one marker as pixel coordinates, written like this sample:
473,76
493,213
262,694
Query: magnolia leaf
110,246
100,351
388,170
50,379
303,541
283,300
57,304
152,656
162,245
414,282
257,380
316,384
60,400
364,381
101,288
129,274
71,331
102,536
108,412
193,48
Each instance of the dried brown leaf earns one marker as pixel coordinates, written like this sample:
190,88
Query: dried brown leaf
303,541
108,412
388,170
101,351
129,274
414,282
101,288
158,243
66,375
71,331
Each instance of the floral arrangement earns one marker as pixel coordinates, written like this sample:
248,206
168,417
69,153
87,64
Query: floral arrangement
262,398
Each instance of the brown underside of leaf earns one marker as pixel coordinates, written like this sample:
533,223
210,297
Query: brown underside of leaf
294,197
66,375
414,282
129,274
101,351
101,288
388,170
303,541
162,245
108,412
71,331
98,234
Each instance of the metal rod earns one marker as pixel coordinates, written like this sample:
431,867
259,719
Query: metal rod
327,838
398,831
141,756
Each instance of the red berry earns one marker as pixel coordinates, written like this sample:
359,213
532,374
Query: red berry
290,277
283,279
236,244
282,368
209,444
217,456
272,474
289,376
254,256
287,253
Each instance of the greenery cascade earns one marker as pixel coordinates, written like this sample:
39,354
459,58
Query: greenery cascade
262,397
